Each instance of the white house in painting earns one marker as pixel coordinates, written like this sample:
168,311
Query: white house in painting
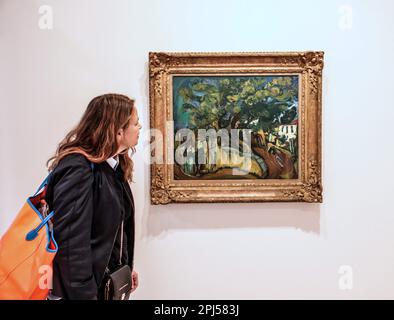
289,131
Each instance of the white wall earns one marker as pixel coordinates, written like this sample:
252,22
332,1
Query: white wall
229,251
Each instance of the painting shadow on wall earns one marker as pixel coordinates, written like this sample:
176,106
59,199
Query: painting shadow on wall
157,221
300,216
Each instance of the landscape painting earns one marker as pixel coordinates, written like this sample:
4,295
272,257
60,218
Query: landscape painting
235,126
265,106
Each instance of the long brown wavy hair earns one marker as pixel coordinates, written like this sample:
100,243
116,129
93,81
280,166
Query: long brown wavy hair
95,134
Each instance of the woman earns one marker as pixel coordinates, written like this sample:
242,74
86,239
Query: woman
90,193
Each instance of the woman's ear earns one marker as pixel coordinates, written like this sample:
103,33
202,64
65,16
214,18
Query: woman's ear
119,136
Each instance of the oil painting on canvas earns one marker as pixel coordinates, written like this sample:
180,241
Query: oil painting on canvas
266,105
235,126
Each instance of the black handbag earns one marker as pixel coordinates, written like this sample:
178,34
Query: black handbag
117,284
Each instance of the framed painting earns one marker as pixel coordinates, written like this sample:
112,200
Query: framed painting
235,127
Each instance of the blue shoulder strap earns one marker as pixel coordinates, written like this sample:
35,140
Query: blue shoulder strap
45,182
34,233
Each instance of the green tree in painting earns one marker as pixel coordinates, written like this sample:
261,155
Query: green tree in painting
239,102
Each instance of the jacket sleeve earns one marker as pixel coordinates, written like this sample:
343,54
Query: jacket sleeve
73,205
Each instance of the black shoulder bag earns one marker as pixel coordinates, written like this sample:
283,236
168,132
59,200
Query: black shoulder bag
117,284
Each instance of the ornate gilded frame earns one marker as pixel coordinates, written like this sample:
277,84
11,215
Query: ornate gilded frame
308,186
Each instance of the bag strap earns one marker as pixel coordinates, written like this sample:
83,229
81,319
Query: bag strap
121,243
45,182
121,231
31,235
34,233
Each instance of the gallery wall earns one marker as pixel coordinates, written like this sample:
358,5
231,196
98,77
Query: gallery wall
340,249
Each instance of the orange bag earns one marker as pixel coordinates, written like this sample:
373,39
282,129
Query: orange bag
27,250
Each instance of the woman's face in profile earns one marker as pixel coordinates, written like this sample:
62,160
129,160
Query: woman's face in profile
129,136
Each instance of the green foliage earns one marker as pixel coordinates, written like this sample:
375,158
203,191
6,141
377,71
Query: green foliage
239,102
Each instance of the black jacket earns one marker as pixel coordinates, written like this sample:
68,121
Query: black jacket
89,205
